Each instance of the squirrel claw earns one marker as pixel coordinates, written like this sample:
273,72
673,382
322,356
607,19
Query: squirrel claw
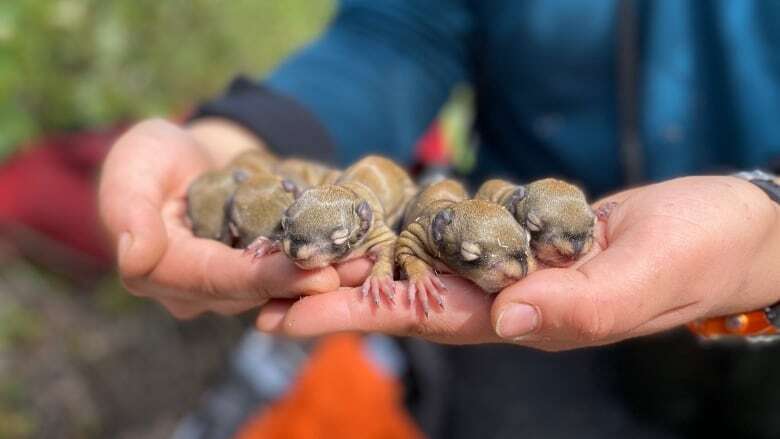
378,285
388,288
430,288
262,246
602,213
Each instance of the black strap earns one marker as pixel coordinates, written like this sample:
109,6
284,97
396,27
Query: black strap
771,188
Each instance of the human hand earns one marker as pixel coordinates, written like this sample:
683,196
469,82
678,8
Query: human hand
142,203
668,254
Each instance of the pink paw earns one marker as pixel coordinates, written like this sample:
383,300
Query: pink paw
430,288
262,246
377,285
602,213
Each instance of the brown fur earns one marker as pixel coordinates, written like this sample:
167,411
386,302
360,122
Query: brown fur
206,200
329,210
246,199
256,208
426,243
305,173
565,219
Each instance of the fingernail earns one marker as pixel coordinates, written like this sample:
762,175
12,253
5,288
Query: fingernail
516,320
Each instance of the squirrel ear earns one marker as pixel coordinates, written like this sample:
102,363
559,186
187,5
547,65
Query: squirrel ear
517,196
363,211
366,215
290,186
440,221
240,175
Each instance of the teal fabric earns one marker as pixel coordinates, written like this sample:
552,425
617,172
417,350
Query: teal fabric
546,76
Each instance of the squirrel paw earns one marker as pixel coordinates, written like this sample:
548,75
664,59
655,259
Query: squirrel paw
262,246
602,213
376,284
430,288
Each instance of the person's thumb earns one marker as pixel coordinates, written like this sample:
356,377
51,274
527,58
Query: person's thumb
559,306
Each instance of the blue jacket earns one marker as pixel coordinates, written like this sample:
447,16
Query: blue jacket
702,81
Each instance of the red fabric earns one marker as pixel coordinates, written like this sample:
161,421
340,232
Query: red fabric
432,148
49,187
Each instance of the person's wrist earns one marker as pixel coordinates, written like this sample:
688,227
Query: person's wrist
223,139
764,269
747,312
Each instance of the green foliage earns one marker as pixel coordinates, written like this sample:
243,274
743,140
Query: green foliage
67,64
15,420
19,326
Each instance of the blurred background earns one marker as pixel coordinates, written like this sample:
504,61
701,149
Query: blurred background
79,357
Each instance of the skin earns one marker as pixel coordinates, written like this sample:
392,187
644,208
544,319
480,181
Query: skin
476,239
350,219
555,212
142,191
666,254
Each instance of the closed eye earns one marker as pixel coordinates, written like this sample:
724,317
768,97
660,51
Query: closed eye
297,240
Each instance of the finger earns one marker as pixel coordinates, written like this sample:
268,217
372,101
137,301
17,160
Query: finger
207,269
189,309
194,268
353,273
272,315
620,289
130,209
136,176
182,309
467,319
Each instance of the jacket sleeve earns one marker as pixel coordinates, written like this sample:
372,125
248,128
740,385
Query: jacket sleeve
372,82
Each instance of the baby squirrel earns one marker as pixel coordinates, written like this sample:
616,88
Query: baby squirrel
555,212
245,200
254,211
256,208
350,218
306,173
208,195
477,239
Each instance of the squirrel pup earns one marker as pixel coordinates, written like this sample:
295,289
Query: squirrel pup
305,173
208,195
555,212
256,208
476,239
351,218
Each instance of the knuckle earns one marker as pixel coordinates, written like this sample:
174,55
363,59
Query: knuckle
591,322
134,270
151,126
207,284
180,311
133,285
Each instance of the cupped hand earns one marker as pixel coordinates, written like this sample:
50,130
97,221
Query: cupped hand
142,204
667,254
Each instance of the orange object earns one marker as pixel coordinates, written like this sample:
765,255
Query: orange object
754,323
339,394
